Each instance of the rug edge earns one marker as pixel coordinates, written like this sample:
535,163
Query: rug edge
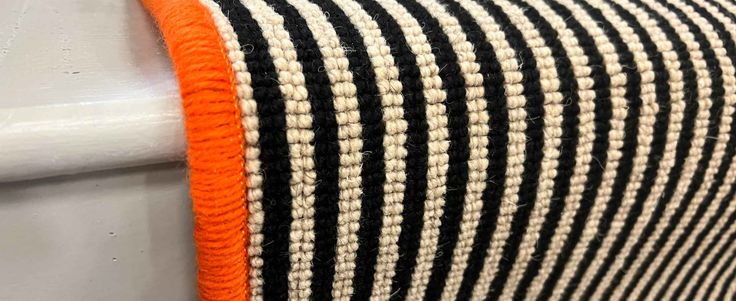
215,145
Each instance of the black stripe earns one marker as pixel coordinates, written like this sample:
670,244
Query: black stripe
533,94
603,114
709,269
457,174
326,149
712,287
682,150
697,178
619,186
372,174
416,160
601,87
711,265
535,116
725,37
628,153
722,9
493,80
717,97
728,281
710,248
274,148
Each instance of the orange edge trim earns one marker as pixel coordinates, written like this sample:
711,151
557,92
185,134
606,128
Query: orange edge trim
215,145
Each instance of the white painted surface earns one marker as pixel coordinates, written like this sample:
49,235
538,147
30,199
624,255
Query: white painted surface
45,141
117,235
84,85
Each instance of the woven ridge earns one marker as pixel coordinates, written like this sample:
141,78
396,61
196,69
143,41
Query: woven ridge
468,149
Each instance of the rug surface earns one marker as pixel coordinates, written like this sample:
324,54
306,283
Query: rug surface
459,149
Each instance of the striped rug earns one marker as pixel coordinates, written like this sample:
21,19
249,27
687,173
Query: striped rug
459,149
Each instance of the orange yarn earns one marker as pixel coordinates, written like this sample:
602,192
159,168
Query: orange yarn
215,145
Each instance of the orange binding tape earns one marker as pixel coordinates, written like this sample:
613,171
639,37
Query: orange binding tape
215,145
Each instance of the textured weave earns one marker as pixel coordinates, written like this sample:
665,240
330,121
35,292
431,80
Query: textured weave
483,150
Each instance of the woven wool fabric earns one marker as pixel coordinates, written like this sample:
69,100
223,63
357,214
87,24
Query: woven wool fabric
459,149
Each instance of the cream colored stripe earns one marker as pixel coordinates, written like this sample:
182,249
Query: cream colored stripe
676,116
730,287
299,135
713,164
727,5
478,141
710,259
478,130
515,104
249,119
586,135
350,141
513,88
615,139
729,81
697,142
647,119
438,143
730,291
553,117
389,87
700,131
721,282
730,7
730,90
707,255
549,84
667,162
677,106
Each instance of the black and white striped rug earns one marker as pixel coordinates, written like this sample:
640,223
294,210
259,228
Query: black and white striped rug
485,149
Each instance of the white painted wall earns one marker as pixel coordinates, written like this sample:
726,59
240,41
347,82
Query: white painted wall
116,235
89,114
84,85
